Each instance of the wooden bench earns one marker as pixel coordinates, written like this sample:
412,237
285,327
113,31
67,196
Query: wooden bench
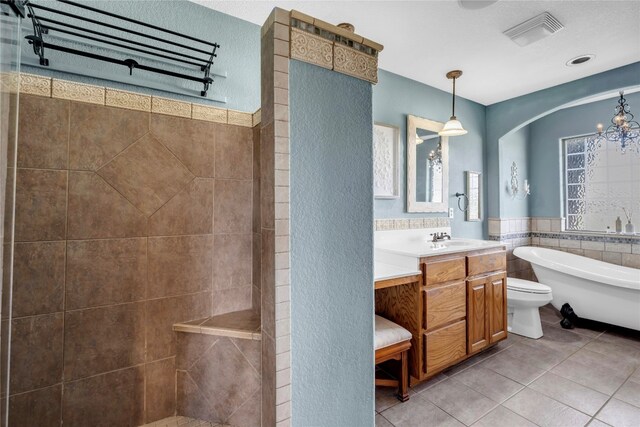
393,343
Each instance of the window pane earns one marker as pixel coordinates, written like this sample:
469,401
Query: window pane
575,145
600,183
575,177
575,161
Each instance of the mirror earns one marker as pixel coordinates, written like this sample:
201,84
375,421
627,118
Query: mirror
474,206
427,166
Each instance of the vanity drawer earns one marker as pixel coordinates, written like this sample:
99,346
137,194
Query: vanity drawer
445,346
485,263
444,304
444,271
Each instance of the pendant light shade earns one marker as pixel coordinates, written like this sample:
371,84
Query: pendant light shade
453,127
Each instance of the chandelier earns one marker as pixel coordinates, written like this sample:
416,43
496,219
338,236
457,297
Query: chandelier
623,129
435,156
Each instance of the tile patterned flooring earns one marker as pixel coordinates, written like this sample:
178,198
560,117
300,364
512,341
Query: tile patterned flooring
584,376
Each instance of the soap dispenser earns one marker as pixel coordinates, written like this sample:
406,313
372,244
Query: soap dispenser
618,225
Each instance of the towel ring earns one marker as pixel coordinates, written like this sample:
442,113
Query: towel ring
466,206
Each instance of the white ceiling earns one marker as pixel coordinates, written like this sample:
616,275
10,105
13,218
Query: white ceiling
425,39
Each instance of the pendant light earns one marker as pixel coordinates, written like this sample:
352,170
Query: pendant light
453,127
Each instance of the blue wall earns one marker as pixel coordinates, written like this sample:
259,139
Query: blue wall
331,248
503,117
514,148
238,56
394,97
545,151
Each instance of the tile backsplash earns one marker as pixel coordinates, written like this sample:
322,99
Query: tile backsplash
617,249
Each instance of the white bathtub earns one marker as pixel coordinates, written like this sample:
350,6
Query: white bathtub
595,290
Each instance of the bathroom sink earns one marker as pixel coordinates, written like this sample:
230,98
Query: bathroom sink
417,243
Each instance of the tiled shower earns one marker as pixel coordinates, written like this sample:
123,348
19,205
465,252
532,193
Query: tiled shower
127,223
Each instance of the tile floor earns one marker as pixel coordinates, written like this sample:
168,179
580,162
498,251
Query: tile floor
180,421
585,376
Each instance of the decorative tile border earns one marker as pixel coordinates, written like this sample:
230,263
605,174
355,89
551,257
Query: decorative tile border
332,47
310,48
128,100
33,84
239,118
355,63
170,107
209,114
411,223
77,92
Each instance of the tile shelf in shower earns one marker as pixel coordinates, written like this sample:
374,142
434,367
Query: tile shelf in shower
238,324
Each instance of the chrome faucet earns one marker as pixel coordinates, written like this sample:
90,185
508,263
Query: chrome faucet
439,237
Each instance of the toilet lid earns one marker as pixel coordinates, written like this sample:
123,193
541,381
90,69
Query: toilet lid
527,286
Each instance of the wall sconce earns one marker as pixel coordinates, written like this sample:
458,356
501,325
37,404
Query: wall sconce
516,191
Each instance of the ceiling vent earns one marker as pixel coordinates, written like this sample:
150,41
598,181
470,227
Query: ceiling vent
534,29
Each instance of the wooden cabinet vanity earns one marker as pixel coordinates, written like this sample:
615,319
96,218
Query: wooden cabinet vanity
458,308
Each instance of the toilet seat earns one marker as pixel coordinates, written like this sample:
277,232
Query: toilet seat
519,285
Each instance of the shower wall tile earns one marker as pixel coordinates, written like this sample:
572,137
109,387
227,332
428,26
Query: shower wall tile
40,408
191,141
191,402
103,339
137,197
191,348
188,212
40,205
162,313
232,206
230,300
103,272
100,133
179,265
249,413
120,402
267,176
36,352
216,392
227,385
234,152
38,278
43,133
160,389
96,210
147,174
232,266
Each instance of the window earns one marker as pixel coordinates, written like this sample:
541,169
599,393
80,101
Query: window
600,184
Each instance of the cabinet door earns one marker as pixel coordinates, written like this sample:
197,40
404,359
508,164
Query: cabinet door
478,295
444,347
498,307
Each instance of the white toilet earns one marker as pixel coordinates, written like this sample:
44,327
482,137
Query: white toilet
524,298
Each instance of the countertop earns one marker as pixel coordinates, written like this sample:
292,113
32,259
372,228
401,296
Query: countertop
384,271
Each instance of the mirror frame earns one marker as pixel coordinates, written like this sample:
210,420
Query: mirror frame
414,122
468,193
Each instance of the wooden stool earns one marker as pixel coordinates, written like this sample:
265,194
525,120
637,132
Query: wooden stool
393,342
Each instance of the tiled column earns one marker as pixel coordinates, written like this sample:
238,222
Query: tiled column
274,195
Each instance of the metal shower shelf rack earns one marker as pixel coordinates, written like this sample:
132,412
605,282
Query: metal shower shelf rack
43,25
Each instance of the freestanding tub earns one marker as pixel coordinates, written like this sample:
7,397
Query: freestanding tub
595,290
